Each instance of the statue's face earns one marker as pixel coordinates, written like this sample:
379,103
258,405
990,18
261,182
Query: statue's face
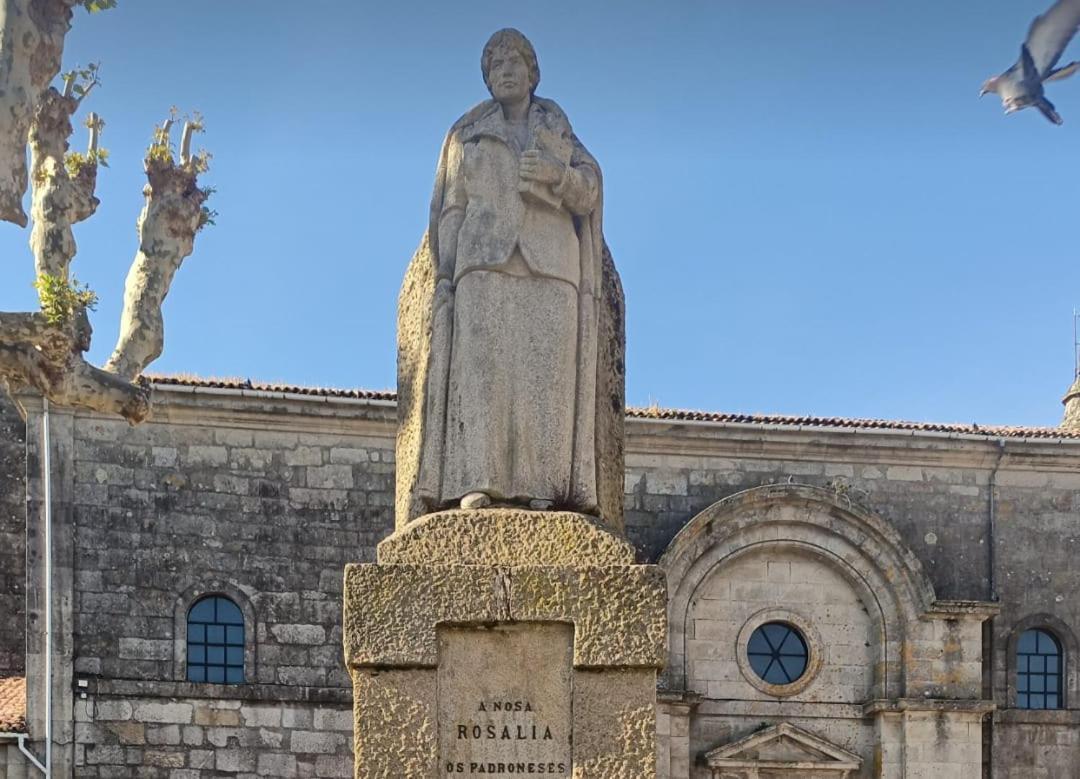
508,75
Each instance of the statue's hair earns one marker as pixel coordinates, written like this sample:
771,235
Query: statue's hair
516,41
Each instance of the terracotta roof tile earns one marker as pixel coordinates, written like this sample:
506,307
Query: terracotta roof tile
258,386
13,705
989,431
674,415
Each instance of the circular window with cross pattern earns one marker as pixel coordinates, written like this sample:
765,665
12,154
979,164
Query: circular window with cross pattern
779,652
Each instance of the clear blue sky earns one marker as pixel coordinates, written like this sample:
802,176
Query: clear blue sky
811,209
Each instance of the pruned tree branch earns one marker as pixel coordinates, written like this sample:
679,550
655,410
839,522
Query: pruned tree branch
96,125
172,214
190,129
31,46
63,194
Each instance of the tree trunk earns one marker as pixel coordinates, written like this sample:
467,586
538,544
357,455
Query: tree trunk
31,46
55,342
48,358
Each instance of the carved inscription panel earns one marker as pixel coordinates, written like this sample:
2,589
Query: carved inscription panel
505,700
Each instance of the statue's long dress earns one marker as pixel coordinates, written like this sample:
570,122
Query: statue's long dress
510,406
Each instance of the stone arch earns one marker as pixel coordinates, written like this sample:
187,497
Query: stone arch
185,601
864,549
1070,648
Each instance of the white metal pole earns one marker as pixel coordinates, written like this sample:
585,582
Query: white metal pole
47,468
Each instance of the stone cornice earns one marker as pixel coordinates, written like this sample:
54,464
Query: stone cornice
1060,717
321,414
784,709
952,706
255,410
975,610
848,445
139,688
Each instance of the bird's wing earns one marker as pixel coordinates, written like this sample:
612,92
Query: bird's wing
1051,33
1060,73
1029,73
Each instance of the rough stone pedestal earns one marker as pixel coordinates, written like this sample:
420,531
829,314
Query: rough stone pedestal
504,642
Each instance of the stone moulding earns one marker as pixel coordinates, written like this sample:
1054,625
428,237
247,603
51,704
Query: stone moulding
505,537
785,750
977,708
393,611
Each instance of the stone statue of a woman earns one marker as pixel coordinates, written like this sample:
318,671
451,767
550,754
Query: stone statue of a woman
510,330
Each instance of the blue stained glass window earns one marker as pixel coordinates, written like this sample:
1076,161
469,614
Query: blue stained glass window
1038,670
778,653
203,611
229,613
215,641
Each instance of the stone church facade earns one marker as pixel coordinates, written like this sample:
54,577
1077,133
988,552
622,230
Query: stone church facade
845,598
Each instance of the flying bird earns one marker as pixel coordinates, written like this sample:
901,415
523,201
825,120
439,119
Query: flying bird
1021,85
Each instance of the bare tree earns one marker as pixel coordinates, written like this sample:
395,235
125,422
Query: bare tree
44,350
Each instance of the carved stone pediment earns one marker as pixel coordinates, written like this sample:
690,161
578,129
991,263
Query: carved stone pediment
782,752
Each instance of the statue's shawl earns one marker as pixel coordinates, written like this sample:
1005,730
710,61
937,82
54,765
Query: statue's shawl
422,378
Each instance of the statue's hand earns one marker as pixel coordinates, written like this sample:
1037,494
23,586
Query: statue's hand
537,166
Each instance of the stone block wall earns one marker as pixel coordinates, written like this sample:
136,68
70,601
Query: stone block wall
259,501
12,540
266,498
1037,576
270,517
12,764
926,745
1036,744
941,511
187,738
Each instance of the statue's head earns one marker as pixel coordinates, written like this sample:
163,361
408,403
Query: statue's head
509,65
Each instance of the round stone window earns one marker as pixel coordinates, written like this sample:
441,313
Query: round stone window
777,653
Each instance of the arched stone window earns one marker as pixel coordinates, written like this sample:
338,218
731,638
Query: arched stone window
214,635
1027,657
1040,670
215,641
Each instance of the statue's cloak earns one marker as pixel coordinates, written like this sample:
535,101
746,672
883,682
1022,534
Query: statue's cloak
425,335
